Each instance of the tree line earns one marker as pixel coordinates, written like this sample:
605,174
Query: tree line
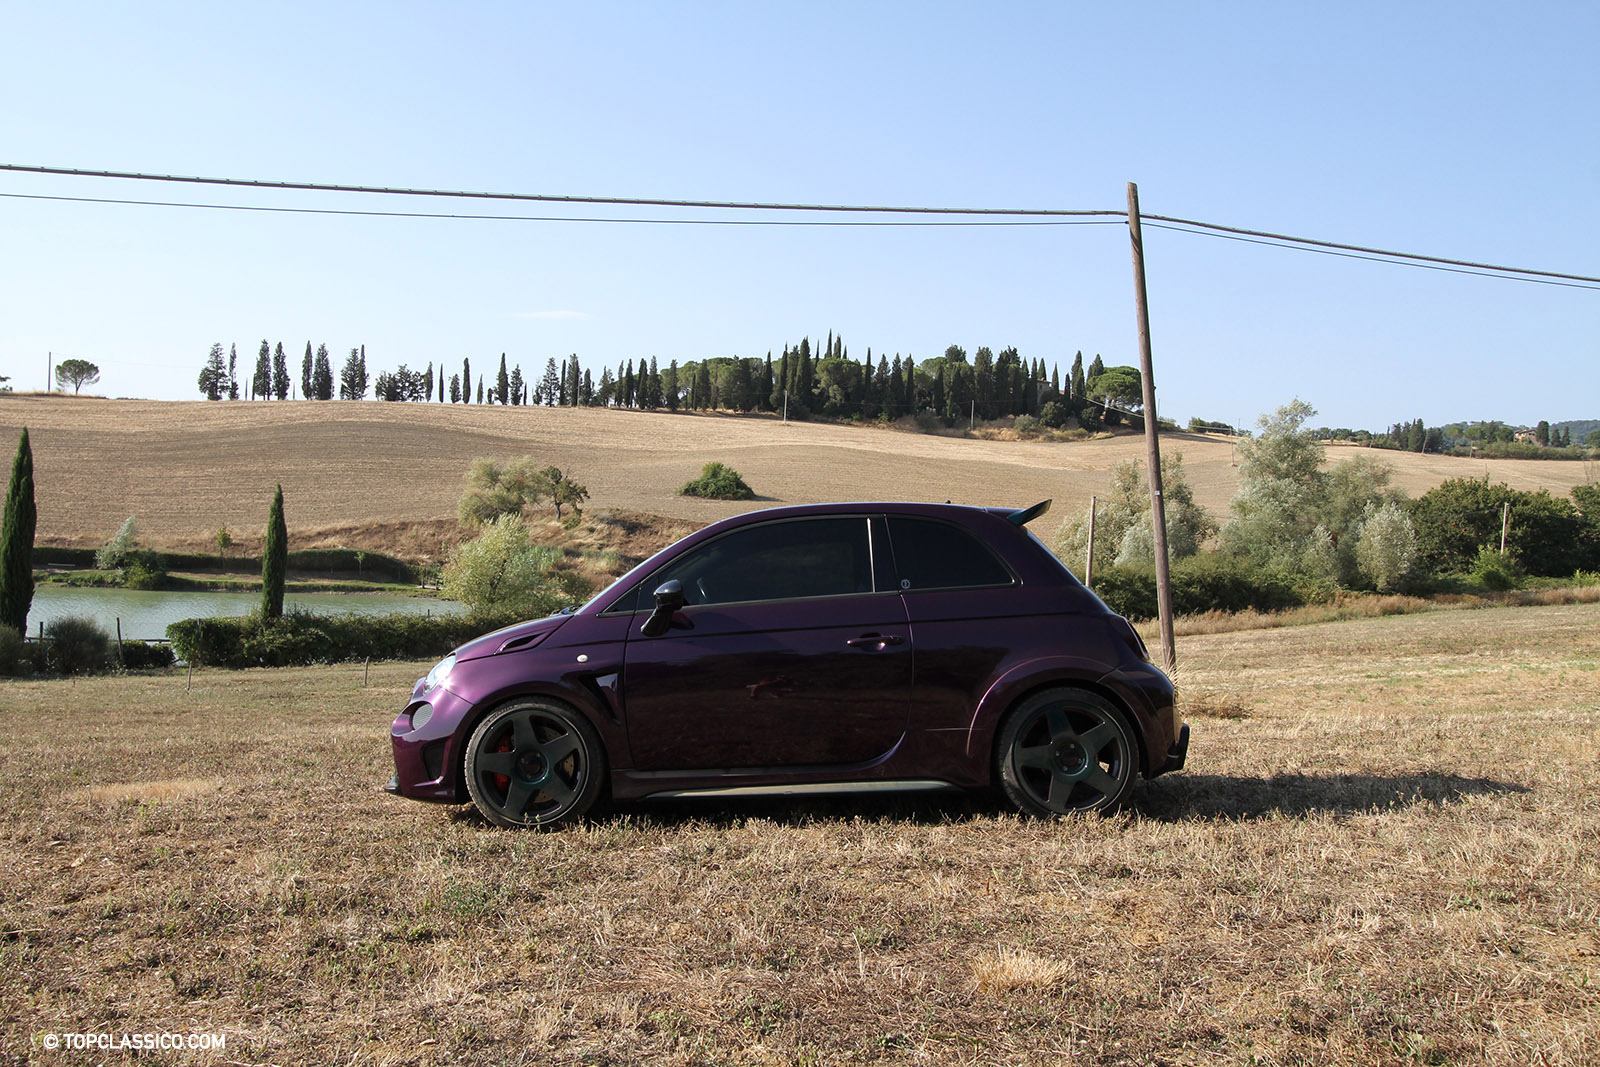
803,379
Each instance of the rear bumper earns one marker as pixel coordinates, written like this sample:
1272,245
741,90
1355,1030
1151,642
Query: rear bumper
1178,753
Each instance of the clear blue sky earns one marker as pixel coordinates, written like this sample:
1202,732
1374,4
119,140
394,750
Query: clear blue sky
1465,130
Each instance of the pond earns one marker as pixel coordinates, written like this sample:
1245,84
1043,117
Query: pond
146,613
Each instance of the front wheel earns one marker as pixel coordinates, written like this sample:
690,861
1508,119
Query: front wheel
1065,751
534,763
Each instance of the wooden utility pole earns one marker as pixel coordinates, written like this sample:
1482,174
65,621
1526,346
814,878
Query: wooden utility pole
1158,511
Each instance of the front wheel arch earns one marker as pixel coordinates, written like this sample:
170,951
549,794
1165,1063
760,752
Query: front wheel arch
534,761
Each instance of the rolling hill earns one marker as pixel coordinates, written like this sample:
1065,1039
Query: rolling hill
354,473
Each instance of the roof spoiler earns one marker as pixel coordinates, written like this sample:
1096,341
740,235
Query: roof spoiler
1027,515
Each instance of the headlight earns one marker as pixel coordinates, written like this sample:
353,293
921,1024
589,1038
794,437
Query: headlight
440,672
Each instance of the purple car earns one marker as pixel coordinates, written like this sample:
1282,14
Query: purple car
829,643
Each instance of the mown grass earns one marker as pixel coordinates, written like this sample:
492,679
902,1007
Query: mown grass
1386,850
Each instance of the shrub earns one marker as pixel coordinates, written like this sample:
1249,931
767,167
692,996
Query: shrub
144,569
1202,584
300,639
143,655
1055,414
1493,570
1025,424
718,482
77,644
501,572
13,650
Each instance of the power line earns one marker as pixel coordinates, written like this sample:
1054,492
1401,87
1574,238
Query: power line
560,218
626,201
1370,252
1209,228
1511,275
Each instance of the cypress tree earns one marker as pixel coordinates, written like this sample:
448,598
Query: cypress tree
261,381
16,540
305,375
502,383
274,560
430,381
480,390
280,373
466,380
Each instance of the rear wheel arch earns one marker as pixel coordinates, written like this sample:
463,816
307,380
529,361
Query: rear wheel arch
1065,748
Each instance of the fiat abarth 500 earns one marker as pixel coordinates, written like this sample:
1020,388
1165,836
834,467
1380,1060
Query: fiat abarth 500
828,643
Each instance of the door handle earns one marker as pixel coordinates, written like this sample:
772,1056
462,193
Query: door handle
875,641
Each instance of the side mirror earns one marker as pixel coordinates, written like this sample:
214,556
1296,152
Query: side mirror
669,601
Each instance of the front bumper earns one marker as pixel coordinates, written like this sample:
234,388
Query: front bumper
427,760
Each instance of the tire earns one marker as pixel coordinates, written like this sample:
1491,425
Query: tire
534,762
1065,752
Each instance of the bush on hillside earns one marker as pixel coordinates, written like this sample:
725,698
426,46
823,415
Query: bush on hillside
718,482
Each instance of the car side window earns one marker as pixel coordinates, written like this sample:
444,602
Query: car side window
774,561
929,554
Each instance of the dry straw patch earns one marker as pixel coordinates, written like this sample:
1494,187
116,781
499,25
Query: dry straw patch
1395,859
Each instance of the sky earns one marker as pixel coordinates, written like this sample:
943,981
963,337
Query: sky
1464,131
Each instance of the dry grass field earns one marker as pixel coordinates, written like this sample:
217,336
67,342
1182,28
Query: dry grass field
387,476
1386,850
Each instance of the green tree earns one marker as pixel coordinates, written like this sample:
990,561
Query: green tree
502,382
214,375
1280,489
466,380
113,555
1546,536
274,560
16,540
280,373
353,377
1123,529
562,491
76,373
1386,547
261,380
306,368
233,372
1120,387
322,376
224,540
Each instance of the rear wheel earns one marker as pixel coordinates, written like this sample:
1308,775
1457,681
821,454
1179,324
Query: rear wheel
1063,751
534,763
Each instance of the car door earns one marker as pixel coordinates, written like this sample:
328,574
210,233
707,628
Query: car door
786,654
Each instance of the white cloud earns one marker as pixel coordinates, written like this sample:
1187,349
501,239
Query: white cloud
549,315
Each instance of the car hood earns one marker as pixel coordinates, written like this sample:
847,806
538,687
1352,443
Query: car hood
512,638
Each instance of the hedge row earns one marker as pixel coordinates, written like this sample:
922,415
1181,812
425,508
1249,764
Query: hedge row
1199,584
300,638
320,560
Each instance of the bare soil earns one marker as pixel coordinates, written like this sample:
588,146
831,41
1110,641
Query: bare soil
387,476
